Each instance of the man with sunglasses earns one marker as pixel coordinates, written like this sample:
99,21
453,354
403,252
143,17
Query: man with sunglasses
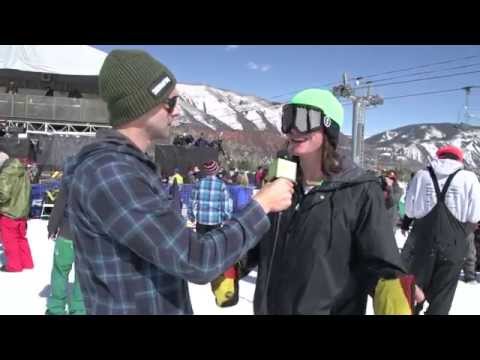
134,252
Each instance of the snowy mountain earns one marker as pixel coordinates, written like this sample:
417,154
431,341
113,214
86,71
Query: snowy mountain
250,127
417,144
215,109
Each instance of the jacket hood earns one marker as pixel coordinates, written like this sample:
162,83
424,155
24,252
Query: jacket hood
350,175
445,167
13,167
106,141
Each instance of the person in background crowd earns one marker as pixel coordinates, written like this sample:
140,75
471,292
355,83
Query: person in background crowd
15,191
75,94
444,201
63,259
188,138
176,176
210,206
251,178
263,176
197,173
259,177
234,176
243,178
201,142
50,92
392,193
174,193
223,175
191,176
3,157
12,88
179,140
210,202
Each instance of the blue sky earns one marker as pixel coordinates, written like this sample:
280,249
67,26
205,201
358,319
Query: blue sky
271,70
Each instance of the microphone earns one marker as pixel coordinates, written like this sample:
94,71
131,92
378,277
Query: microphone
284,166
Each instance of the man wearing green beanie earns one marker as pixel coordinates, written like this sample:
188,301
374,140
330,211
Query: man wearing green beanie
134,253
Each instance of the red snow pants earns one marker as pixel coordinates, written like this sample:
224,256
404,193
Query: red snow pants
15,245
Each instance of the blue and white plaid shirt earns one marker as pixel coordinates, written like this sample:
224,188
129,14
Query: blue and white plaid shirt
133,252
210,202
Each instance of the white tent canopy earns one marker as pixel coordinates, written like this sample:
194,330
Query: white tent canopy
52,59
64,68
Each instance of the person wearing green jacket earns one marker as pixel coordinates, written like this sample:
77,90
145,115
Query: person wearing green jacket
3,157
15,192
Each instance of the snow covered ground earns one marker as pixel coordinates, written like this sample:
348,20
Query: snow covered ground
26,293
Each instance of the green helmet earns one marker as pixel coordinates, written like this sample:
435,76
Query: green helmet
322,99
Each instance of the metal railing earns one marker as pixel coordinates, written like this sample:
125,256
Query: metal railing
91,111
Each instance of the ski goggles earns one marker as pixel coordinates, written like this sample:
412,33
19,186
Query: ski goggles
303,118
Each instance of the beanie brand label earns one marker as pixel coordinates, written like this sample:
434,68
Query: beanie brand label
161,85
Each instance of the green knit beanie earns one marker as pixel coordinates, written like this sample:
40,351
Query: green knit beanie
132,83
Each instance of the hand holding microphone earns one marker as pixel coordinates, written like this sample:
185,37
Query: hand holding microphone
277,195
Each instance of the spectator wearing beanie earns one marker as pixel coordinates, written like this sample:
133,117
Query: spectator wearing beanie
210,202
211,205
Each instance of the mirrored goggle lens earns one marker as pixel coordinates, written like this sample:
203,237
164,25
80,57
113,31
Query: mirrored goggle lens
315,119
288,115
301,120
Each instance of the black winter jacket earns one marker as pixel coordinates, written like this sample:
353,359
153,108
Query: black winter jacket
334,244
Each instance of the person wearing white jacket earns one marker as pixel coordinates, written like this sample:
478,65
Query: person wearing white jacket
444,201
462,197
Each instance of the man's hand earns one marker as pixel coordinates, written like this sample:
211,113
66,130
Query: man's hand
275,196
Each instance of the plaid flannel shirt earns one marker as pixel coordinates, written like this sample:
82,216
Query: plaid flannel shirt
210,202
133,252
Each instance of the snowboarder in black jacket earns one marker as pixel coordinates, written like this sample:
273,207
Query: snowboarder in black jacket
334,245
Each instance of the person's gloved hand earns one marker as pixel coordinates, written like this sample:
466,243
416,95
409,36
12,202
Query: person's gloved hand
396,296
419,299
419,295
225,288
